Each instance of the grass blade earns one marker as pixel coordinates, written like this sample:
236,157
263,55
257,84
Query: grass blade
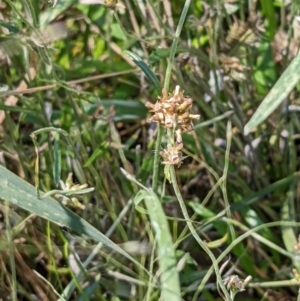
18,192
169,277
276,96
150,75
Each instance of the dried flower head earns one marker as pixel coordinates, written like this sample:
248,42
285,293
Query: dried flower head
172,155
283,45
244,33
173,110
69,190
240,36
233,67
235,285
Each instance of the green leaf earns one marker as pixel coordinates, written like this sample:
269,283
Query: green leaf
97,153
53,12
148,72
166,257
18,109
201,210
18,192
30,12
90,289
124,109
10,27
137,199
169,277
276,96
269,12
258,195
117,32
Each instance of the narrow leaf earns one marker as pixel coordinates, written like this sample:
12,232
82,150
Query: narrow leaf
276,96
258,195
9,26
15,190
148,72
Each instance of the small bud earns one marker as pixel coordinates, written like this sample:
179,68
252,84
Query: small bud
177,90
183,117
195,116
179,143
185,105
169,121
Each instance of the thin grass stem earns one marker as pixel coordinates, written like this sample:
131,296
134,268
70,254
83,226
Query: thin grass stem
195,234
166,86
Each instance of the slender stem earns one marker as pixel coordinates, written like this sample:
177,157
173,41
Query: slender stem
195,234
172,170
157,158
175,43
279,283
224,177
166,86
69,289
249,232
66,84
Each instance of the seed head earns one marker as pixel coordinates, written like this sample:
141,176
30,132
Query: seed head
172,110
172,155
235,285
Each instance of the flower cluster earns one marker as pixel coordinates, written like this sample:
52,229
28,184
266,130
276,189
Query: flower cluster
172,155
233,67
235,285
172,111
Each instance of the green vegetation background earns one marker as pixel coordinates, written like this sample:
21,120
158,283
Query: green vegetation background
74,80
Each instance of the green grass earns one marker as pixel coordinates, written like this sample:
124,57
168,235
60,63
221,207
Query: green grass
74,81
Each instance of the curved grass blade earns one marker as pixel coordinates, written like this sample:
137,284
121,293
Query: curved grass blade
170,285
278,93
150,75
258,195
49,15
39,46
169,277
12,29
90,289
31,15
269,11
18,192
